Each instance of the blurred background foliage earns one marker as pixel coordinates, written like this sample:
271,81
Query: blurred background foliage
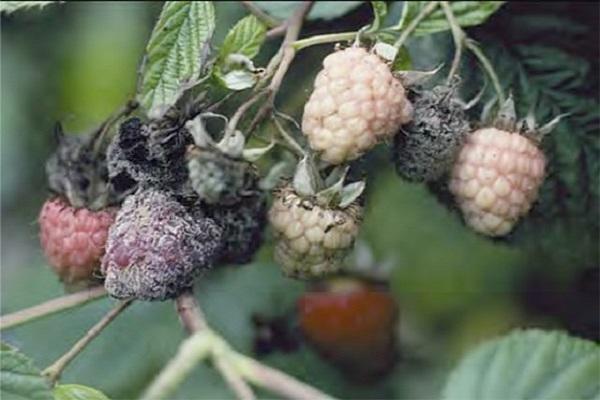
77,63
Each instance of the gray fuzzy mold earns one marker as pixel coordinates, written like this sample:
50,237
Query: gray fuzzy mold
156,249
426,148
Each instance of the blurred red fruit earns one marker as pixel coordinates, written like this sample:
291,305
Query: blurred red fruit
351,323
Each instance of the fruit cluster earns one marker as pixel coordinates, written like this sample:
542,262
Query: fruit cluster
189,202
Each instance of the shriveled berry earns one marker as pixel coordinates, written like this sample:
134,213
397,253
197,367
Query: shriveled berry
496,179
425,149
356,103
155,249
73,239
310,240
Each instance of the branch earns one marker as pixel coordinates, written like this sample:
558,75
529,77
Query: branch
277,381
265,18
54,371
236,368
415,22
51,307
460,38
284,58
191,351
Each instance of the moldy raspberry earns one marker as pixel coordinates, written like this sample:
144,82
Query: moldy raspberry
156,248
498,173
425,149
356,103
149,155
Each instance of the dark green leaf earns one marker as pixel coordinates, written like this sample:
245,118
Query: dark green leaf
530,364
77,392
176,53
19,378
467,13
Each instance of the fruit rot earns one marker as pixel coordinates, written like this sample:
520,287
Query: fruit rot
155,248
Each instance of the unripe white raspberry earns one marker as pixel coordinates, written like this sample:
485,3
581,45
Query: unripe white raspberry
496,179
356,103
310,240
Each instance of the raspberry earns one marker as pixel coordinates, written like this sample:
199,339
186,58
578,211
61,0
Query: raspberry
73,239
496,179
426,148
218,178
352,324
356,103
155,249
311,240
243,225
148,155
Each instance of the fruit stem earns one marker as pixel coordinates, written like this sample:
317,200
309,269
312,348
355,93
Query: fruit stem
487,66
323,39
53,372
293,145
458,36
460,39
51,307
282,61
415,22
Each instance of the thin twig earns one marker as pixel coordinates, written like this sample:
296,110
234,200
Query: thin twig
458,36
428,9
192,319
323,39
277,31
277,381
287,52
489,69
260,14
191,351
51,307
53,372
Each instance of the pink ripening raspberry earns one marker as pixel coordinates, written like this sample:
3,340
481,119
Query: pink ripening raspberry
356,103
496,179
73,239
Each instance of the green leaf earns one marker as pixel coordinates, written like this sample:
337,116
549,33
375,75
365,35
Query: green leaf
326,10
244,38
379,13
176,53
467,13
12,6
531,364
19,378
77,392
